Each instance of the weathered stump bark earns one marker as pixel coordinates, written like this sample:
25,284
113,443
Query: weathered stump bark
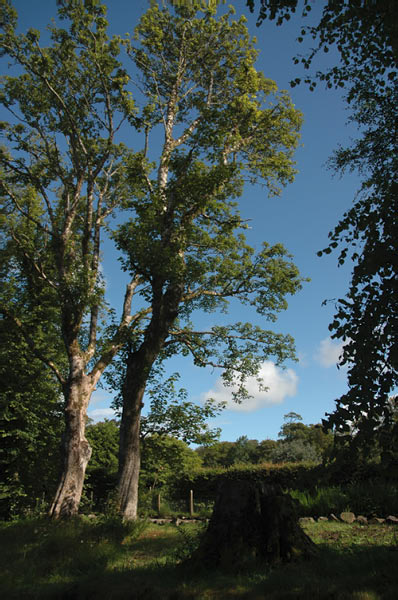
252,522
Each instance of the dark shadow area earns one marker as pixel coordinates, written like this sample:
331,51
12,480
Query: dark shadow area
363,573
57,562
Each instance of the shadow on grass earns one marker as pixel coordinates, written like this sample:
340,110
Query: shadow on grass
79,563
369,574
364,573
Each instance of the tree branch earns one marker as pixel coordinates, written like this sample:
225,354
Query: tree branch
116,342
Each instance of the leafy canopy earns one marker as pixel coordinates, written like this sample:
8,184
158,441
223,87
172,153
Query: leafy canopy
223,124
63,174
365,35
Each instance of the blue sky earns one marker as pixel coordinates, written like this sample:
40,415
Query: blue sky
300,219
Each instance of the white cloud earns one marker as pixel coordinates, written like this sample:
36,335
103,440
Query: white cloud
303,359
99,414
101,395
280,383
328,352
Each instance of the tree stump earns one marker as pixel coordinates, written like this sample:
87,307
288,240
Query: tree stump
252,522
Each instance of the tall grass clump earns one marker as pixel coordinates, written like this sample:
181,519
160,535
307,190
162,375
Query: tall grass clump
113,527
366,498
321,501
374,497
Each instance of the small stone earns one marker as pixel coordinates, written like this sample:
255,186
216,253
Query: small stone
333,517
391,520
347,517
158,521
322,519
376,521
362,520
306,520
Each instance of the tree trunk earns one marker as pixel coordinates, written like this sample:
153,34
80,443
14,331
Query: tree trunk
138,367
252,522
76,451
130,456
77,390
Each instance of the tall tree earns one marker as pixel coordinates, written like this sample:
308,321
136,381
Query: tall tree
300,442
222,122
31,406
364,33
366,36
242,451
63,173
367,318
101,475
171,422
31,425
170,413
164,458
217,454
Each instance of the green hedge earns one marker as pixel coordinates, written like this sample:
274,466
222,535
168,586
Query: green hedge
297,476
206,482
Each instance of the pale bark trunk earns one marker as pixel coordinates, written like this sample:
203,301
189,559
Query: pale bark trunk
76,452
78,389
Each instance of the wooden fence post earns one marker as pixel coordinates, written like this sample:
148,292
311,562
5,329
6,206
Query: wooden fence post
158,502
191,503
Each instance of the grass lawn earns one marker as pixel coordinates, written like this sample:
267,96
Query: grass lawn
107,560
